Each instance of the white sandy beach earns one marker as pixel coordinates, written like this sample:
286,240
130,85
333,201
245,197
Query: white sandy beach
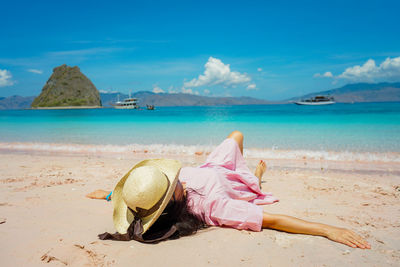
47,220
69,107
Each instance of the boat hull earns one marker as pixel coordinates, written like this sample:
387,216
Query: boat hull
125,107
315,103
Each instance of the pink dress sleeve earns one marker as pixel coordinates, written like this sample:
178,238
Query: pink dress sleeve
234,213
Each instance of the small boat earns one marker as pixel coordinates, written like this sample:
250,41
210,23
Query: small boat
317,101
127,103
150,107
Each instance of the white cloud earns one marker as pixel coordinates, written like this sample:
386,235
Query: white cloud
327,74
218,73
84,52
172,90
36,71
189,91
107,92
5,78
252,86
388,69
206,91
259,69
157,89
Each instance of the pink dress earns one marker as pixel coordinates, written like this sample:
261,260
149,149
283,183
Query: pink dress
224,192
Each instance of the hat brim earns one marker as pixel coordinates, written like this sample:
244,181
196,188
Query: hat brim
122,216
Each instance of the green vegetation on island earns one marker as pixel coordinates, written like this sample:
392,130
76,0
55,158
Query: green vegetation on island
66,87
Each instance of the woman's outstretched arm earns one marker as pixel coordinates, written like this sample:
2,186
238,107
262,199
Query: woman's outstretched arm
98,194
293,225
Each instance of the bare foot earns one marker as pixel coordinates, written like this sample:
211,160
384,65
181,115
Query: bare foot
260,170
98,194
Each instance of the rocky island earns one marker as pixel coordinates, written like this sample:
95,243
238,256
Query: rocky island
66,88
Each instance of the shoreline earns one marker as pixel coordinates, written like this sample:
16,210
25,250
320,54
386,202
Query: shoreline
67,107
203,150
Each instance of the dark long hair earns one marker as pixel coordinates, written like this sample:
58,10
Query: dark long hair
176,214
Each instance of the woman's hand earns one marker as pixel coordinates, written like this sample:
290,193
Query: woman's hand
346,237
98,194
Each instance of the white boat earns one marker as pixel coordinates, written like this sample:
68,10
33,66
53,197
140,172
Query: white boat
317,101
127,103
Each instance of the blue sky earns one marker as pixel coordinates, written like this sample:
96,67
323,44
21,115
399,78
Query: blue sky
262,49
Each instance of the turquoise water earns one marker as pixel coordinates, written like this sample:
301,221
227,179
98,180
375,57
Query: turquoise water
360,127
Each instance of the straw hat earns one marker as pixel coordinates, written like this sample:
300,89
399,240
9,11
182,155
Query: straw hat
146,189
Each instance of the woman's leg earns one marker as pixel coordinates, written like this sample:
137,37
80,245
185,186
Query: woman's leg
260,170
238,137
261,167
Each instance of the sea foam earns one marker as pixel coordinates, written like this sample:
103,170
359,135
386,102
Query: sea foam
190,150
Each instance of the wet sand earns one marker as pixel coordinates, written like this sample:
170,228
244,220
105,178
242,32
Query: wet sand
46,219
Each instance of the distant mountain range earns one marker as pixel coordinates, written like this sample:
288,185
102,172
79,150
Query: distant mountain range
16,102
359,92
180,99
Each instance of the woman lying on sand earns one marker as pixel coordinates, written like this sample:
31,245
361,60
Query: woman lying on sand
158,199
